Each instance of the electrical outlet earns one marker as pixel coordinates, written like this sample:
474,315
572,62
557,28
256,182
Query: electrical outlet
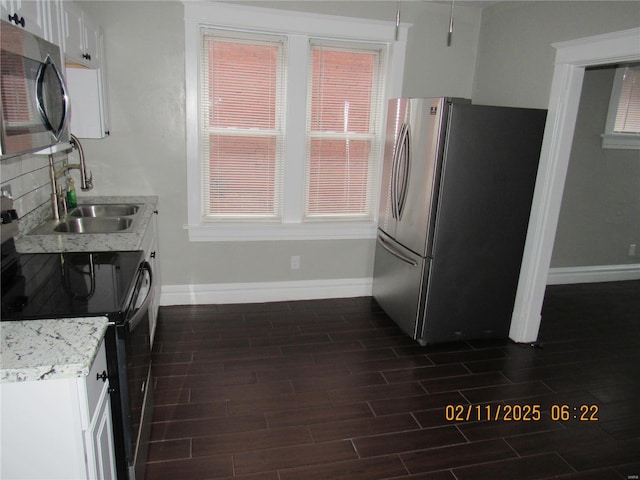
295,262
632,250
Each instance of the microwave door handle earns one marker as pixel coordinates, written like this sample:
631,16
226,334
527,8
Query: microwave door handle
57,131
39,95
66,117
140,312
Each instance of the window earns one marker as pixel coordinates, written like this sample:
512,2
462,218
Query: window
343,130
242,118
622,128
284,122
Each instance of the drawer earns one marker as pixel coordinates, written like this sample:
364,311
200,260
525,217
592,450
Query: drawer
94,384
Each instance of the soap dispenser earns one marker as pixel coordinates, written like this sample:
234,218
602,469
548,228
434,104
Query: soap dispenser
72,200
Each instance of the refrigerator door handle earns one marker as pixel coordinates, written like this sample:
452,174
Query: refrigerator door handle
403,168
394,173
396,253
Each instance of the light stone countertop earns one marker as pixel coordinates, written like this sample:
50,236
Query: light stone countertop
95,242
49,349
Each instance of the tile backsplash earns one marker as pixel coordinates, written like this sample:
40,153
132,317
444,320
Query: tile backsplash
28,177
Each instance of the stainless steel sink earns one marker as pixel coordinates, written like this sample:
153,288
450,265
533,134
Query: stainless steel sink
93,225
104,210
92,218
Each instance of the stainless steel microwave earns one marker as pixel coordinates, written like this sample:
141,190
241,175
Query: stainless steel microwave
34,105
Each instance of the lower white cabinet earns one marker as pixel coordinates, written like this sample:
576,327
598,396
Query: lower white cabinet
58,428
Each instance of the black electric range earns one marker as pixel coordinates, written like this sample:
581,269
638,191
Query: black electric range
77,284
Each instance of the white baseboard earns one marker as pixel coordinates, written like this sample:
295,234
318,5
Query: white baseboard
220,293
599,273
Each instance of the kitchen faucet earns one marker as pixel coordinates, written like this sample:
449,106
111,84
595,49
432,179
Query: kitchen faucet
86,180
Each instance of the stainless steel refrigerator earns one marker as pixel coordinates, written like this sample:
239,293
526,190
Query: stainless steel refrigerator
457,186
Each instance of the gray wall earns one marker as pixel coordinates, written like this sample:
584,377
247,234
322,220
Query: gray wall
515,57
600,212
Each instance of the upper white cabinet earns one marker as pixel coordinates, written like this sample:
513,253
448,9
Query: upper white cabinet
82,37
83,49
88,105
31,15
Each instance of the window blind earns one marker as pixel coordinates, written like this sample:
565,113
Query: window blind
343,129
242,124
628,111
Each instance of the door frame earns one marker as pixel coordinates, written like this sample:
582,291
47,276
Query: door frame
572,57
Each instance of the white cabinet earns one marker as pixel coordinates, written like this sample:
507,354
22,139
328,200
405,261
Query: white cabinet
82,37
84,52
88,105
58,428
31,15
151,252
93,42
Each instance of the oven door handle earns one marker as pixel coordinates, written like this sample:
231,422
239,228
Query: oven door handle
139,313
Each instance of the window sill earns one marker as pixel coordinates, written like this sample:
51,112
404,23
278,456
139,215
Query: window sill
248,232
621,141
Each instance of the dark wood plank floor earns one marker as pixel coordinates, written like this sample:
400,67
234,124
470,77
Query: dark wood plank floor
332,389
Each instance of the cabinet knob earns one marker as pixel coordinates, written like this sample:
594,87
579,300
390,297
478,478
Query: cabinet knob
17,20
86,56
102,376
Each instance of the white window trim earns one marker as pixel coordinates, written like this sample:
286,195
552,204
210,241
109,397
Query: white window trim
295,25
617,140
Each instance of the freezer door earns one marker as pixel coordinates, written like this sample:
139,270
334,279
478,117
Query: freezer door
397,283
417,173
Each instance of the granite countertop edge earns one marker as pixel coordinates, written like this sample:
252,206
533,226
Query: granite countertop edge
34,350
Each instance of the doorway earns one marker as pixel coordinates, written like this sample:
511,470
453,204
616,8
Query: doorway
572,58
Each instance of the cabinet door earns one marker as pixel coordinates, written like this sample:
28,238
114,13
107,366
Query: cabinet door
92,34
73,31
34,15
55,24
87,107
99,440
98,433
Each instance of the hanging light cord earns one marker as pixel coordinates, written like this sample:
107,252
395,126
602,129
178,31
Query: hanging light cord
397,19
450,34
